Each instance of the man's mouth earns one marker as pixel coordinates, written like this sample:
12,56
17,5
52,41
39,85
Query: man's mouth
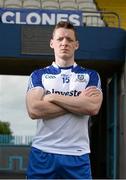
64,50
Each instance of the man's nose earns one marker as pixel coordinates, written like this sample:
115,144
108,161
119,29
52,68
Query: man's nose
64,42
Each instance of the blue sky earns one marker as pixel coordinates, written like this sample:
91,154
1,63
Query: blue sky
12,105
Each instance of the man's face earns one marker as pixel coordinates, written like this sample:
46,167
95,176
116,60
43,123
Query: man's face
64,43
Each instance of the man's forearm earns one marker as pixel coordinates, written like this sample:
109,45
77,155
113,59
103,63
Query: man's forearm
87,103
53,111
70,103
46,110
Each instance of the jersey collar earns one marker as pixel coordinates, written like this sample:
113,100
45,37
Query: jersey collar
69,67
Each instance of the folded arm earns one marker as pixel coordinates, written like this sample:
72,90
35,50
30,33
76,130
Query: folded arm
38,108
87,103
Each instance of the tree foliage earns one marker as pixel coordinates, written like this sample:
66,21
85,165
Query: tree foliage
5,128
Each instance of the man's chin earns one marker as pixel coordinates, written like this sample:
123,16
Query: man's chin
65,56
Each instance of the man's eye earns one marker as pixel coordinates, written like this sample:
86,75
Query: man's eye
70,40
59,39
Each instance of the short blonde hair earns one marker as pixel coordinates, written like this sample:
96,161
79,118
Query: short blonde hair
66,25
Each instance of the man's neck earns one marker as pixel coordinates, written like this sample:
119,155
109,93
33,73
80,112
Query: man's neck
64,63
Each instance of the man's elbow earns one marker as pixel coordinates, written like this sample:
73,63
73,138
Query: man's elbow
92,111
95,110
32,114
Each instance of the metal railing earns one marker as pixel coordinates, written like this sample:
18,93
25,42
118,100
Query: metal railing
15,140
101,18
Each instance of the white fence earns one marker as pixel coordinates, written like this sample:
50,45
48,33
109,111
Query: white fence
15,140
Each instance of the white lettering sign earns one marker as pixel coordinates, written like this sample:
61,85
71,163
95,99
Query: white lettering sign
45,17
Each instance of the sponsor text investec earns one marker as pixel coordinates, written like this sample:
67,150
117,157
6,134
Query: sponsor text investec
65,93
39,18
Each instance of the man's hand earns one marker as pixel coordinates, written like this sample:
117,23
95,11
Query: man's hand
91,91
87,103
49,97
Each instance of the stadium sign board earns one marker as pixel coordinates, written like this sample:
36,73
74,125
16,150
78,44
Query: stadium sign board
40,16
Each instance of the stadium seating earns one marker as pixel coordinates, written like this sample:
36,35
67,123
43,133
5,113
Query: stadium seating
48,0
50,5
13,4
34,4
93,19
1,3
73,1
88,8
81,1
68,5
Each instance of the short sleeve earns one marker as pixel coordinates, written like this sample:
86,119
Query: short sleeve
94,80
35,80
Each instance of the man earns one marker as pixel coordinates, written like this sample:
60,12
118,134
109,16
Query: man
62,97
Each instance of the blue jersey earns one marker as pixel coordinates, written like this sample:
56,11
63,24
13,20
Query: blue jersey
66,134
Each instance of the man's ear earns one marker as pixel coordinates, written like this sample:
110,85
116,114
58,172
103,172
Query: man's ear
77,45
51,43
